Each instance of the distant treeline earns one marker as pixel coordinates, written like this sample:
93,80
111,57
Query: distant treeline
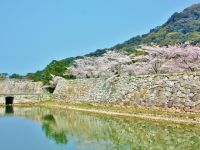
12,76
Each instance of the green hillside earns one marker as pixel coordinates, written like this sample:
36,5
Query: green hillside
180,28
56,68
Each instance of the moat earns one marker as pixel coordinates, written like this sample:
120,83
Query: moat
53,129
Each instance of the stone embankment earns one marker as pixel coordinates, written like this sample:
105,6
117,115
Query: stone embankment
22,90
19,86
178,90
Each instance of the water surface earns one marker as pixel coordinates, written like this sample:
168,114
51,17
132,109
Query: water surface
53,129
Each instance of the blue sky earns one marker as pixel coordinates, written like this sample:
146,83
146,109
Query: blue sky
35,32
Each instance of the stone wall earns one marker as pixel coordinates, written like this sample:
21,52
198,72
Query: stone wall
27,89
20,86
179,90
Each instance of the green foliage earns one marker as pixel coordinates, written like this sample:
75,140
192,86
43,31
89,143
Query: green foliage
138,53
49,117
3,76
57,68
49,128
97,53
180,28
128,49
16,76
194,37
12,76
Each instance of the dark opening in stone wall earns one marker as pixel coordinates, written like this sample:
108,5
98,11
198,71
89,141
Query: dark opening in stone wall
9,100
50,89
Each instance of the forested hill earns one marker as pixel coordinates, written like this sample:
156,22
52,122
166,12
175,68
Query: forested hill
180,27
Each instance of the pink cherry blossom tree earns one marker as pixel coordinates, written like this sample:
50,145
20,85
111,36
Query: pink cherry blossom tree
172,58
105,66
156,59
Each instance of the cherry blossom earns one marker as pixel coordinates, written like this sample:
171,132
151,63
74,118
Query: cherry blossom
157,59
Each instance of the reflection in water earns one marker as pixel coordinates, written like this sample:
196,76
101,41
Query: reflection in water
9,109
49,127
90,131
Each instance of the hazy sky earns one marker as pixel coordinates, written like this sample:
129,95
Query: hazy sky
34,32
